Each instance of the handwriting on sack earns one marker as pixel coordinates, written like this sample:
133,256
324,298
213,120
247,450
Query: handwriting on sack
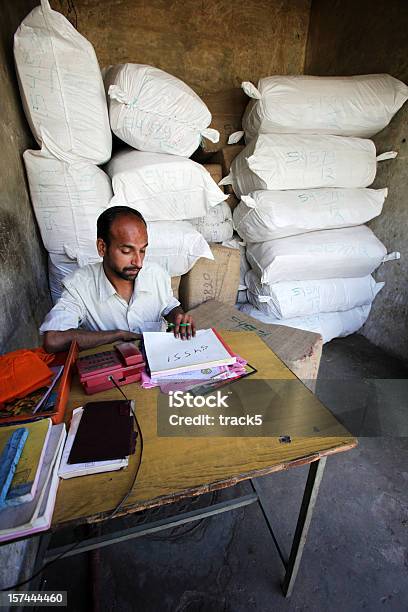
183,354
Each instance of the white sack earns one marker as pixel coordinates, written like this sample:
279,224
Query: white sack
59,266
328,324
266,215
340,253
162,187
302,298
242,297
175,246
347,106
152,110
216,226
61,86
291,161
234,243
67,200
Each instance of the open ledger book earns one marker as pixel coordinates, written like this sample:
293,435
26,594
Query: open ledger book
168,355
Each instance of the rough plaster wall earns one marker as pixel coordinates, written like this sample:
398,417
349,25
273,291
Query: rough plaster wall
213,45
345,38
24,295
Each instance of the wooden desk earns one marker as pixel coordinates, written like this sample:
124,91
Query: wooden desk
175,468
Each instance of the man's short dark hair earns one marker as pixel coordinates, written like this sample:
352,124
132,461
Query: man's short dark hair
109,215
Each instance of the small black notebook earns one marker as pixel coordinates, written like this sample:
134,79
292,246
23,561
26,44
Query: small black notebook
105,432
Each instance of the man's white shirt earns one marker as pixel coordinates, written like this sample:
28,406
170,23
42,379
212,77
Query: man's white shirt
89,301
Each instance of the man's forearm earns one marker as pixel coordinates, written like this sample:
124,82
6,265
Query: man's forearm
56,341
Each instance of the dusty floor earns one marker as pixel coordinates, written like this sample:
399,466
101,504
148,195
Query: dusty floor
356,557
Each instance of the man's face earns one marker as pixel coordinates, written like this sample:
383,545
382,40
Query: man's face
128,242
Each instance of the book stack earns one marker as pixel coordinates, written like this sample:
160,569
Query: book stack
175,364
29,460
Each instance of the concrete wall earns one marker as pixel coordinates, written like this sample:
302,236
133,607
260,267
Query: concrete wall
348,37
212,44
24,296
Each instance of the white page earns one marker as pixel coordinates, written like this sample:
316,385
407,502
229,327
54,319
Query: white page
69,470
167,354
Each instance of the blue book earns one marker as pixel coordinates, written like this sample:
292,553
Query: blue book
9,460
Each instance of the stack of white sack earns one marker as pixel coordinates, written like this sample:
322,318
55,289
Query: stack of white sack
244,267
61,87
175,247
168,191
338,253
328,324
162,187
151,110
267,215
292,161
316,274
67,199
290,299
302,180
216,226
155,112
64,101
345,106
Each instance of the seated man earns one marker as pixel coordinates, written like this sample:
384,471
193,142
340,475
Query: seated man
118,298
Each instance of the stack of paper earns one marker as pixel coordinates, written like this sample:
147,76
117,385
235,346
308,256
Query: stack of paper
36,515
70,470
168,355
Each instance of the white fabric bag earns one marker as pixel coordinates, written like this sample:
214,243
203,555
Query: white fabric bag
216,226
59,266
328,324
350,252
234,243
242,297
266,215
61,87
67,200
154,111
302,298
175,246
162,187
347,106
291,161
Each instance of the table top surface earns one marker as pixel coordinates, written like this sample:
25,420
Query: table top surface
173,468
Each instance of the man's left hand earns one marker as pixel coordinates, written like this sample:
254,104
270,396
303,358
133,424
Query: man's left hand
184,326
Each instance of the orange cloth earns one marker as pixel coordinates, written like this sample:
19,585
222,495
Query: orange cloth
43,355
22,372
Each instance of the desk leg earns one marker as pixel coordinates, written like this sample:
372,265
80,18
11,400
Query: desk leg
305,516
94,564
37,583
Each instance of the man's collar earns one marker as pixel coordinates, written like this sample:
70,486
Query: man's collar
106,289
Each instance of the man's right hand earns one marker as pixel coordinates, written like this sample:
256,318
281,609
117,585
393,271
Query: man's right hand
128,336
56,341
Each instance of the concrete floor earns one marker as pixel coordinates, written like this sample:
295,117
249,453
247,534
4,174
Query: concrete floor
356,557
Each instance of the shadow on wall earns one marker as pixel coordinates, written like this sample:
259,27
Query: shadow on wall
24,293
